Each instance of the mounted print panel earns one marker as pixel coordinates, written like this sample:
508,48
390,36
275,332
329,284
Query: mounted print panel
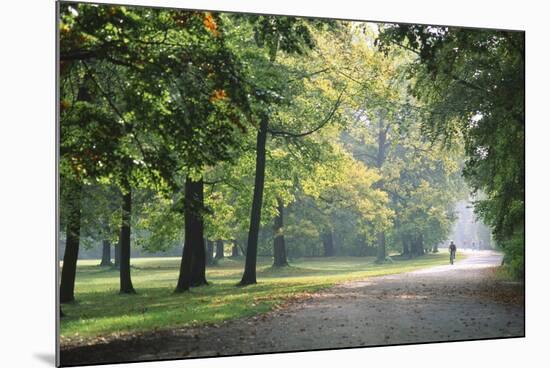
235,184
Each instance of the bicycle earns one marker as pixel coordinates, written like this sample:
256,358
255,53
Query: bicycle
452,250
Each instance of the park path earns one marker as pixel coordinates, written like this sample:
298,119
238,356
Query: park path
459,302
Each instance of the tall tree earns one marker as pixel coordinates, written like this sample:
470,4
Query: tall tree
249,275
68,272
168,107
473,84
85,146
126,286
271,35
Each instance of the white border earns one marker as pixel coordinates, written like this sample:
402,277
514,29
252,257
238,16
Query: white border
28,177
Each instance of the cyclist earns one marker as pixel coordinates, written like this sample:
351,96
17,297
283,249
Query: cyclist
452,250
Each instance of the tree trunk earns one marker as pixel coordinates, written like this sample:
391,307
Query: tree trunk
279,247
117,255
235,249
198,265
126,286
106,254
362,245
249,275
381,252
68,273
381,154
417,246
209,252
72,243
328,244
414,247
372,250
219,249
380,159
193,259
406,250
198,255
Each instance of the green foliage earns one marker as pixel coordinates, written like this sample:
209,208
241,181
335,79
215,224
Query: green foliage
100,209
158,224
473,85
173,116
150,97
166,79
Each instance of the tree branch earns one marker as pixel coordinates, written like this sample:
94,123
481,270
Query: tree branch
308,75
404,47
467,84
320,126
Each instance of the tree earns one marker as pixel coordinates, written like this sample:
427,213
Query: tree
168,106
473,84
91,136
345,192
194,257
106,253
385,132
86,147
271,35
100,218
279,247
68,272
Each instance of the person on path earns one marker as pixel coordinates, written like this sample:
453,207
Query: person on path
452,250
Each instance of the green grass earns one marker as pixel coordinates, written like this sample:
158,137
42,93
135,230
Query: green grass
100,312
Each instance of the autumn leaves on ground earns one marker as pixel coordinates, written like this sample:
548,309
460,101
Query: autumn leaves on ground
225,165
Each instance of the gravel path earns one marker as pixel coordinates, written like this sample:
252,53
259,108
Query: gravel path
459,302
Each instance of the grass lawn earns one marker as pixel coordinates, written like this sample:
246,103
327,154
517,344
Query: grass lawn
100,312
